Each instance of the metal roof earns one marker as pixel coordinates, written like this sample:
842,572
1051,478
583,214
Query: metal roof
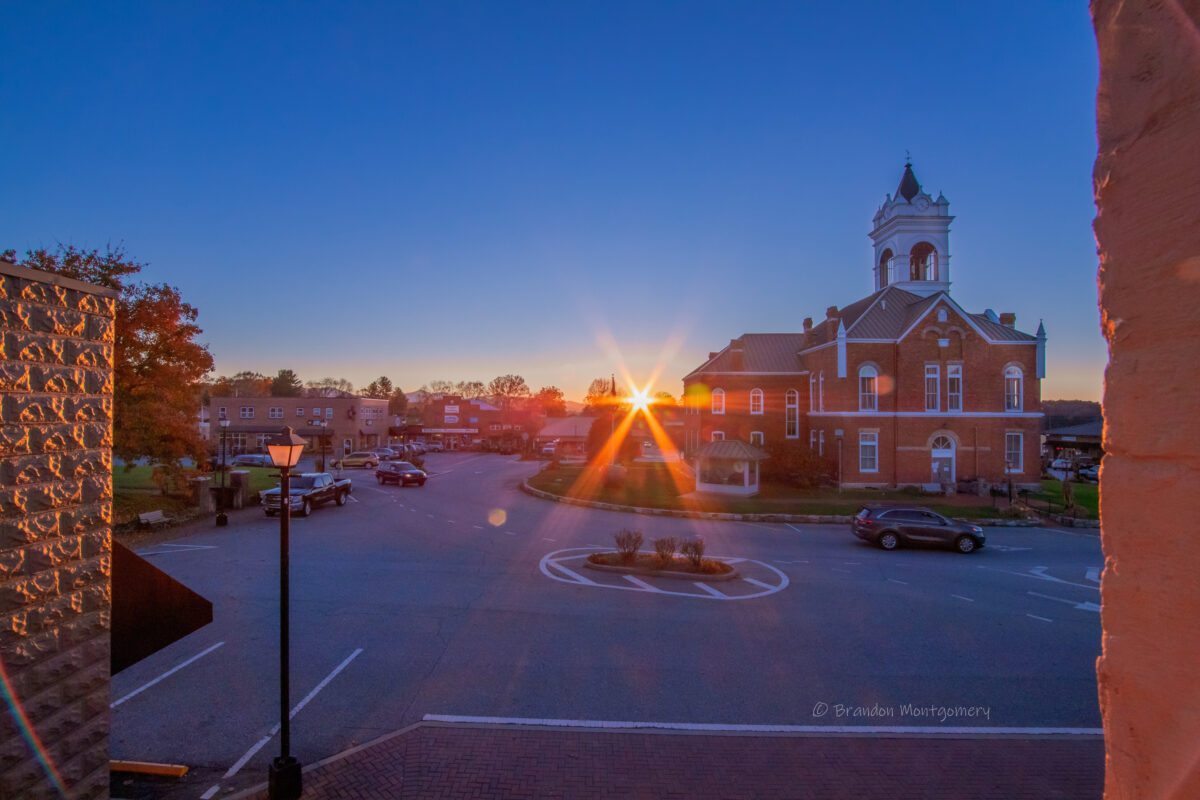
733,449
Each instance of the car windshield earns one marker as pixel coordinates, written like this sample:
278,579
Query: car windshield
404,465
302,482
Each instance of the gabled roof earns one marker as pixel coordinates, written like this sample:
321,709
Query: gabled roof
570,427
761,352
734,449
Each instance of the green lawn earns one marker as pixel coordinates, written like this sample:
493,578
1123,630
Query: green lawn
135,492
140,478
653,486
1087,498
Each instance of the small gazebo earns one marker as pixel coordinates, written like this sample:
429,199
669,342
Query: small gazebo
728,466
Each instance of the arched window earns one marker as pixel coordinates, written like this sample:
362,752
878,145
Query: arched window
756,401
868,395
1013,389
942,443
792,414
885,259
922,262
718,401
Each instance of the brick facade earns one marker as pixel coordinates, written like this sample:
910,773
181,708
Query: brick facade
352,423
56,357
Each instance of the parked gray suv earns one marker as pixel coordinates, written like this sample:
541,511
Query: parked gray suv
891,526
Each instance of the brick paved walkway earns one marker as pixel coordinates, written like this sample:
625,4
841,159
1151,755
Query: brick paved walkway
444,761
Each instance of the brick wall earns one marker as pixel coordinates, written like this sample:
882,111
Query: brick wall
56,356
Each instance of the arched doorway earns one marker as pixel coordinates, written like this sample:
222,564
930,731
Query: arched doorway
941,456
922,262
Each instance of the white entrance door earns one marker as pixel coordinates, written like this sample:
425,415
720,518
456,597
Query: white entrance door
942,460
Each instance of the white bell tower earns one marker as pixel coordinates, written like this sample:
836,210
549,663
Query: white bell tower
912,239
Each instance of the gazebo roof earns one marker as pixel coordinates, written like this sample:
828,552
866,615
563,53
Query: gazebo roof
734,449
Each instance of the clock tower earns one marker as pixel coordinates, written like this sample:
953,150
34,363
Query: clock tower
912,239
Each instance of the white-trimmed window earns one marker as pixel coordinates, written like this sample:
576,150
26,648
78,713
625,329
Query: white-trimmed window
221,412
317,413
932,387
756,438
868,451
812,441
718,401
820,391
954,387
820,443
275,412
299,411
1014,449
756,401
246,412
812,392
718,436
329,413
868,392
237,443
791,418
1014,382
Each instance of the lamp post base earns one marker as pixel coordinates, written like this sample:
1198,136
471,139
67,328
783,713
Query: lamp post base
283,779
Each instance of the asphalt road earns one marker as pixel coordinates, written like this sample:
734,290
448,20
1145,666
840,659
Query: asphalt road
465,597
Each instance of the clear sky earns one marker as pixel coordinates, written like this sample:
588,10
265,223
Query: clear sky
459,190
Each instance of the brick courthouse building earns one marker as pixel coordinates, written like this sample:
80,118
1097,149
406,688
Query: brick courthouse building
903,387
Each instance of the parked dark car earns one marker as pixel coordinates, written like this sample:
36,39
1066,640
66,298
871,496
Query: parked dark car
251,460
891,526
400,473
307,490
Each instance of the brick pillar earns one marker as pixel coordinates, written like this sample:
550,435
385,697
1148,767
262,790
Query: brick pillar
1147,181
56,381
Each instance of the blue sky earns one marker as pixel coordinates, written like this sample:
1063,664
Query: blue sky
461,190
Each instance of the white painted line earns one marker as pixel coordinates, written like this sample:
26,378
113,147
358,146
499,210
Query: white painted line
1085,606
852,563
1043,619
790,562
1039,572
477,527
711,590
183,548
544,539
450,521
166,674
510,533
639,582
1093,574
760,583
793,527
249,754
351,498
572,574
429,515
733,560
705,726
960,597
902,583
212,790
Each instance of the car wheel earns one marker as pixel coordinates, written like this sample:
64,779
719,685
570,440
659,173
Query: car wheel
964,544
340,499
306,509
889,540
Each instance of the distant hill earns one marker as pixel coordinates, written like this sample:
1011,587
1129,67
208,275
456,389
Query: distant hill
1061,413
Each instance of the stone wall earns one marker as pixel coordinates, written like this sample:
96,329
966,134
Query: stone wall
1147,181
56,383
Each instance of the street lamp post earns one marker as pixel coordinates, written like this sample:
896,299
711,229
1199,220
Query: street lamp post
222,517
283,777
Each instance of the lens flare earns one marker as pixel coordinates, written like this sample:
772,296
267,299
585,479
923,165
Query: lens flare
497,517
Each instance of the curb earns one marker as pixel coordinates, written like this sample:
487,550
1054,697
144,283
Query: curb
806,519
664,573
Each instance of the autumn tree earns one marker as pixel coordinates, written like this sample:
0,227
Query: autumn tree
380,388
549,401
471,389
599,395
286,384
329,387
438,387
505,390
157,365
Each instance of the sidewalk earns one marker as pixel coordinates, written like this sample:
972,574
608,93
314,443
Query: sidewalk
439,760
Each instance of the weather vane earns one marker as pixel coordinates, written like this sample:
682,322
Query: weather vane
907,157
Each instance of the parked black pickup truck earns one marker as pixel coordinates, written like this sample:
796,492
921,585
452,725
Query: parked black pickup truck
307,490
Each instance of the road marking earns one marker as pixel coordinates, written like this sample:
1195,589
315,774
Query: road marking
960,597
213,790
639,582
1084,606
903,583
1040,573
509,533
793,527
853,563
707,726
449,522
1005,548
1043,619
544,539
791,562
249,754
711,590
477,527
183,548
555,559
429,515
578,578
1093,574
166,674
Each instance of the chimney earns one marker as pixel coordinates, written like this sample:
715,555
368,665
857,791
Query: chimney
735,353
807,324
711,355
1008,319
831,312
